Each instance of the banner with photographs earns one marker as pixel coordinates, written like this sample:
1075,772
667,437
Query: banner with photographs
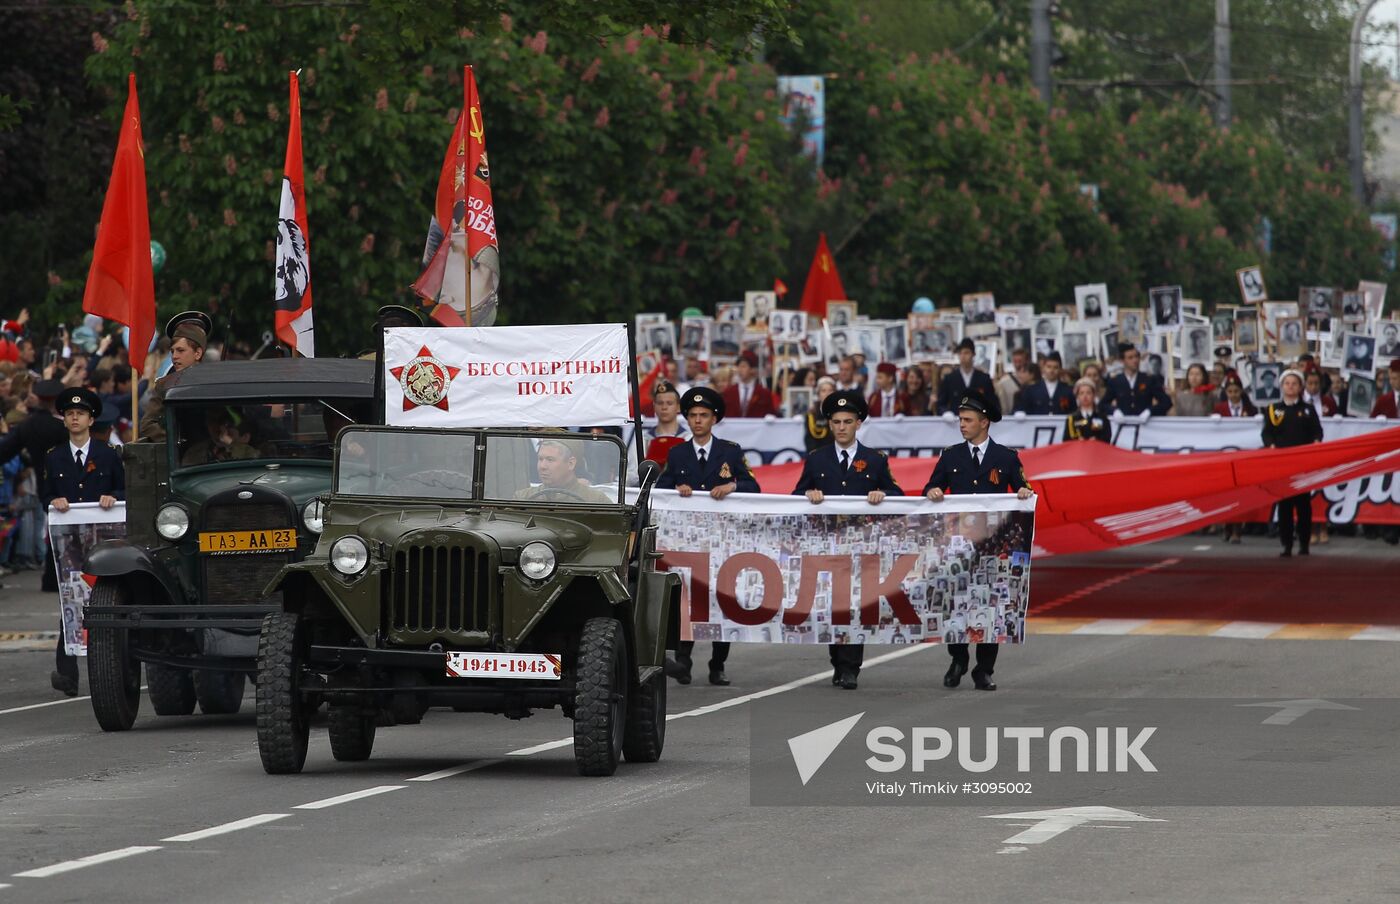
73,534
778,569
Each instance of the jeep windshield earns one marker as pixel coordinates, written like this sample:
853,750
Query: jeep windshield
219,432
556,469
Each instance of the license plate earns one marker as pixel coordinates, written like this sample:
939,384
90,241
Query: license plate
233,541
505,665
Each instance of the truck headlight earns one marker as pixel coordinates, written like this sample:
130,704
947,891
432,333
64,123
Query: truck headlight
349,555
172,521
536,561
313,515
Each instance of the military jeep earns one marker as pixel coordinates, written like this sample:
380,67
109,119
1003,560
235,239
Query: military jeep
451,573
213,513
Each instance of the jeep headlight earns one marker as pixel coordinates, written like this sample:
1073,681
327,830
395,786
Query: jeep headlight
349,555
172,521
536,561
313,515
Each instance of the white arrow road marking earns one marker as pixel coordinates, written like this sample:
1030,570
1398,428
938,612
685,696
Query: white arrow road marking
1050,823
227,827
68,866
346,798
1291,711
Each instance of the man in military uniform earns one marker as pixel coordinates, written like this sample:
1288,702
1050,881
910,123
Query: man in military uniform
80,470
189,333
846,468
978,465
1133,392
1047,395
1292,422
557,463
712,465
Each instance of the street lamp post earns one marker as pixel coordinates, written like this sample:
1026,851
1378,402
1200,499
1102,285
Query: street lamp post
1357,145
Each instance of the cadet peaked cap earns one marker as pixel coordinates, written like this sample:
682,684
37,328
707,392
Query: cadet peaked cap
409,316
846,400
982,403
703,397
83,398
194,326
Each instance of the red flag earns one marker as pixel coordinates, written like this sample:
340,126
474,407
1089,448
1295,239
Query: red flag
650,367
779,288
823,283
293,275
121,281
461,262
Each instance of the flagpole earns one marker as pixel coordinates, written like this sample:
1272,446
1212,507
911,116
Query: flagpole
135,420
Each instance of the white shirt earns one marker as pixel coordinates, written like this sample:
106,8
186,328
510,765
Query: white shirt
1236,410
1050,390
980,449
85,449
1315,402
703,448
967,376
849,450
887,404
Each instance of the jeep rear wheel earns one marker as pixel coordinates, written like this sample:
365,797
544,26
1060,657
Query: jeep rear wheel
284,723
351,728
600,697
171,689
114,677
219,693
646,721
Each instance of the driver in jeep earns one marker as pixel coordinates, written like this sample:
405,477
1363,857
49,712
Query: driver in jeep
558,469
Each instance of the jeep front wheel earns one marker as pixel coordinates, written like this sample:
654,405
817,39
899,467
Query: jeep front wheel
171,689
600,697
284,724
114,677
646,721
351,728
219,693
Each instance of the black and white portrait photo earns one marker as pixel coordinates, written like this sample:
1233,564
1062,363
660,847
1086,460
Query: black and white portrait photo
1196,345
840,314
1360,354
1164,303
1016,339
1265,386
1246,331
1388,345
1251,280
841,344
1222,325
897,343
979,314
1132,324
1353,308
695,338
757,306
1075,345
661,337
869,341
1047,334
1292,342
1361,395
730,311
1091,302
724,340
1108,344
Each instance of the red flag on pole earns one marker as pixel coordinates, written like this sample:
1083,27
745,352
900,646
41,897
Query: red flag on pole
461,265
293,278
823,283
121,282
779,288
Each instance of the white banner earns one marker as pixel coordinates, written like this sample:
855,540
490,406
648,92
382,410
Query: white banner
73,534
507,376
778,569
778,441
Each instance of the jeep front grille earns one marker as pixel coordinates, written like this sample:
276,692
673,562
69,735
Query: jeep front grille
241,578
439,588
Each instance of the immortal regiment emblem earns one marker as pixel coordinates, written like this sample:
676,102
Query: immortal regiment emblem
425,381
724,471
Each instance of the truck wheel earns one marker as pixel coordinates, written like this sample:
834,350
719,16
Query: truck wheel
171,690
219,693
351,728
114,677
600,697
646,721
283,722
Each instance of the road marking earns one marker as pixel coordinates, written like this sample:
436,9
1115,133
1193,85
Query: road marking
1103,585
69,865
1053,823
1377,632
453,770
346,798
740,700
21,709
1315,631
1248,630
1290,711
227,827
1112,626
1202,548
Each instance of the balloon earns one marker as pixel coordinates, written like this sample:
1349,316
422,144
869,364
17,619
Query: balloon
691,312
923,305
157,256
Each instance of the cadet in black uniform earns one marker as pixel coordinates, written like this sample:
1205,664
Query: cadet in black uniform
976,466
1292,422
1085,422
712,465
79,470
1132,391
189,333
846,468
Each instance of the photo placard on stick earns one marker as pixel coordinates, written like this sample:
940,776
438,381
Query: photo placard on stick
1091,304
724,341
980,314
1361,395
1164,306
840,314
1359,354
1246,331
695,338
1049,329
1251,283
1292,338
757,306
729,311
1132,325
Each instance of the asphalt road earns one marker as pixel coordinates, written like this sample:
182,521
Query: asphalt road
479,808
